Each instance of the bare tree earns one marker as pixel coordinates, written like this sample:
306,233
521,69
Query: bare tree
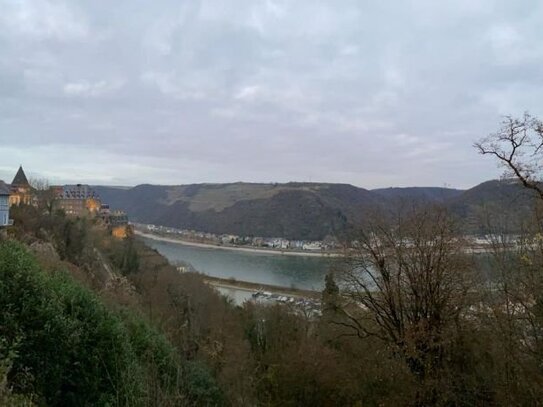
518,146
406,283
515,299
44,193
40,184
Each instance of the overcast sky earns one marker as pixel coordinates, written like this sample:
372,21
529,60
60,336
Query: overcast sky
372,93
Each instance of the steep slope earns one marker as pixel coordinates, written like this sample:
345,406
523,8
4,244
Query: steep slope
293,210
503,202
140,202
503,194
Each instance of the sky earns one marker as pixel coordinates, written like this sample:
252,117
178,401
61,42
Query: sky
371,93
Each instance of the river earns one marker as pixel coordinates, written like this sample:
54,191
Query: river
261,268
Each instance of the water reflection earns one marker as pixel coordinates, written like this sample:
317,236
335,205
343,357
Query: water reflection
287,271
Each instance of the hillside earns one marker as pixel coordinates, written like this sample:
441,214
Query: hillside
89,319
292,210
418,194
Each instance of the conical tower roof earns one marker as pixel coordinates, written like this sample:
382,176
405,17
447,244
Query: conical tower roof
20,177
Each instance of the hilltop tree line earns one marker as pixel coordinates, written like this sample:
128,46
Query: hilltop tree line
410,316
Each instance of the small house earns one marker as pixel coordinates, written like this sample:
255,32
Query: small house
4,204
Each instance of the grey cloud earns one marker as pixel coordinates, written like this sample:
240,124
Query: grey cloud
173,92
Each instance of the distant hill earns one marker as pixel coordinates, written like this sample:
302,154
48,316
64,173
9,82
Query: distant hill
496,202
292,210
504,194
418,194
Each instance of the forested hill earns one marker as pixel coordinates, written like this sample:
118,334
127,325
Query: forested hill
292,210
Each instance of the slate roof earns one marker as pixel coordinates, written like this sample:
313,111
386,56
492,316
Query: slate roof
78,191
4,188
20,178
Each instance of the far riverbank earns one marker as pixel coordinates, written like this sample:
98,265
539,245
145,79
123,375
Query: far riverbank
234,248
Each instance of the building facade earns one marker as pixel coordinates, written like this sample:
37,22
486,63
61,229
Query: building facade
4,204
77,200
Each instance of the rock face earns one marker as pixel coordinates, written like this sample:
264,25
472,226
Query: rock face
305,211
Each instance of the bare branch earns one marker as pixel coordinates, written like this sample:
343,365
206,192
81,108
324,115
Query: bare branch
518,147
406,281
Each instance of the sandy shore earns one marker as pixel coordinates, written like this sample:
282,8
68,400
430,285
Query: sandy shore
232,248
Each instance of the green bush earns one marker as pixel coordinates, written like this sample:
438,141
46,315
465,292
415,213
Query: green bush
200,385
124,255
67,348
157,357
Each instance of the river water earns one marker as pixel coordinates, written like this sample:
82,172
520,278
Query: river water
303,272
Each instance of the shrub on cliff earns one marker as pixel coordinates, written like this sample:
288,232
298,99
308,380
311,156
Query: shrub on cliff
66,348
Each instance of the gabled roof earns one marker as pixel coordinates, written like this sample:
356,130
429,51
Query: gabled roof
4,188
20,178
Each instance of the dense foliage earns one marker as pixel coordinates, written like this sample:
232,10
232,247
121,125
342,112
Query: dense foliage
64,346
92,320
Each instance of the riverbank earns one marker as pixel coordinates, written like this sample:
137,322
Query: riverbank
234,248
254,287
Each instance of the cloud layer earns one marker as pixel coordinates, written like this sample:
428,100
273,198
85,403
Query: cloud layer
198,91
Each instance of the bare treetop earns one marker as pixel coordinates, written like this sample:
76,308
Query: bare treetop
518,146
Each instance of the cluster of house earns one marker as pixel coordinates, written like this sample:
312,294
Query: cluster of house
276,243
77,200
328,244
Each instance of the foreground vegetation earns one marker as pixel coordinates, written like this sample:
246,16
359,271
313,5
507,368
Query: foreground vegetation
90,320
